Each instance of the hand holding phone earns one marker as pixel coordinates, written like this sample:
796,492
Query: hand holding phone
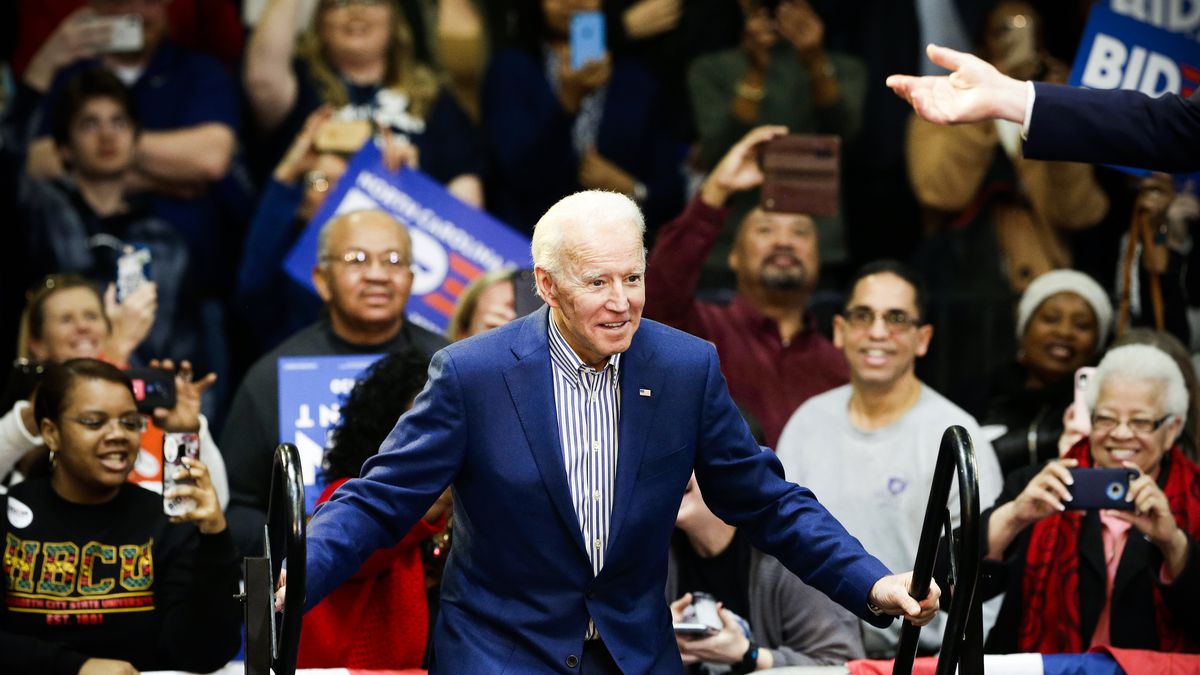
121,34
587,38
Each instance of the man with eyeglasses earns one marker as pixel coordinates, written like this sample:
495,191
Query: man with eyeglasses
771,352
868,449
363,276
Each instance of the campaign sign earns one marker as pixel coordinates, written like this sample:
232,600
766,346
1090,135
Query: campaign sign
311,391
453,243
1147,45
1129,45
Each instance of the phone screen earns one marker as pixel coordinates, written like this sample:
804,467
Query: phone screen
177,446
587,38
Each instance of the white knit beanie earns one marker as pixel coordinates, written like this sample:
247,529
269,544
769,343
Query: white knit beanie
1066,281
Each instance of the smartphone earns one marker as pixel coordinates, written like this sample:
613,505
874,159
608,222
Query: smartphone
1081,417
177,446
133,271
800,174
125,33
525,297
587,38
152,388
701,617
1100,489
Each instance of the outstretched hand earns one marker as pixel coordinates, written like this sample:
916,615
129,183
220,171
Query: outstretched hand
890,594
973,91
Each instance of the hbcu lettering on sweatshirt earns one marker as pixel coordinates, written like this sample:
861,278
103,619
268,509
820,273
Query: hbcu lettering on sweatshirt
73,585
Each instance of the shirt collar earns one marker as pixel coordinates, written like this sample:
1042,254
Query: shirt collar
565,358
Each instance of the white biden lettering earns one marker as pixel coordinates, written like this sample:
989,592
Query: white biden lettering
1177,16
1113,65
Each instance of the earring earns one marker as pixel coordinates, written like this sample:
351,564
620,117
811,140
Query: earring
53,458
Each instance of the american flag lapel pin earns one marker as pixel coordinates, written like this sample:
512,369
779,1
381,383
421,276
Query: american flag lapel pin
644,392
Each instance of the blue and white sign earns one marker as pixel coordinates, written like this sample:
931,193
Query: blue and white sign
311,391
1148,45
1152,46
453,243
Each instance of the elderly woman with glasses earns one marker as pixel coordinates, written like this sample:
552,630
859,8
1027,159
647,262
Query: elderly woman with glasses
1125,578
99,579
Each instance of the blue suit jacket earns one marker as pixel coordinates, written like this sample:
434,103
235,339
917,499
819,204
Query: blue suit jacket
1115,127
518,587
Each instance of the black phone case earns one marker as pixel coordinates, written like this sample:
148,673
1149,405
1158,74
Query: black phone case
1100,489
152,388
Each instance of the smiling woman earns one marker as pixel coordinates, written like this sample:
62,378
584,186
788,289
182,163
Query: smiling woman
1077,579
1063,319
97,574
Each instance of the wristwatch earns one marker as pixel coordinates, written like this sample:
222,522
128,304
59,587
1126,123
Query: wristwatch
749,662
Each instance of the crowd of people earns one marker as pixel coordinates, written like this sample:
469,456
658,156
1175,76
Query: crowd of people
961,282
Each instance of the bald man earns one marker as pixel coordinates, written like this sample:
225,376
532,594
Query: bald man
363,275
569,436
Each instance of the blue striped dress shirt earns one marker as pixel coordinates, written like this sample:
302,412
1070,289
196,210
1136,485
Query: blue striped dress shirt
588,407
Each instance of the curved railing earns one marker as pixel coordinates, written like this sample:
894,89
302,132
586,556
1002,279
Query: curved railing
962,641
273,639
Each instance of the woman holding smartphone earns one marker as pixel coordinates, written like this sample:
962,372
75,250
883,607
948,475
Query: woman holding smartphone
99,579
1128,577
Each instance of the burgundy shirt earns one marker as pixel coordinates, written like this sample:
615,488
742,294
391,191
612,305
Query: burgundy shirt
768,378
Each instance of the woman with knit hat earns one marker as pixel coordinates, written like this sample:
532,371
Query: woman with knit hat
1063,320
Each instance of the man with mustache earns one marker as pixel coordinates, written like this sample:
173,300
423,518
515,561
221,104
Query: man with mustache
869,448
364,276
771,352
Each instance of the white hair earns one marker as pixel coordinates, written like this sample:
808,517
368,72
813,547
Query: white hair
327,228
588,211
1142,363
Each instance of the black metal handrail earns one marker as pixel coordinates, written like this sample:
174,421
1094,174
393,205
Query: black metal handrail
273,640
962,639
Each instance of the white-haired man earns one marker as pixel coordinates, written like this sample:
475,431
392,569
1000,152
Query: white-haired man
569,436
364,276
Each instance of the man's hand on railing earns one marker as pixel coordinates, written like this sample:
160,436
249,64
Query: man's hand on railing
890,596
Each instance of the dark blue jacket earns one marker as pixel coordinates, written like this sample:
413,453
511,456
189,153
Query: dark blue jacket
518,589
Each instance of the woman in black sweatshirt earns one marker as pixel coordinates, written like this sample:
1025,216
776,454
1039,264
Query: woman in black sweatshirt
99,579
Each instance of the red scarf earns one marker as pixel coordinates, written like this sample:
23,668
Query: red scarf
1050,592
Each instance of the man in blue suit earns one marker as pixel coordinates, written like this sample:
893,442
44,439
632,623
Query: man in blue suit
1059,122
568,437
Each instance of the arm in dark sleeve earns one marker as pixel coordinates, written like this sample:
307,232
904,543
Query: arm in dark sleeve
201,616
805,628
261,278
246,445
450,146
1114,127
416,462
675,263
527,128
745,486
1182,594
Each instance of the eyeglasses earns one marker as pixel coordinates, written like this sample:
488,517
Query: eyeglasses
1138,425
130,423
896,320
358,260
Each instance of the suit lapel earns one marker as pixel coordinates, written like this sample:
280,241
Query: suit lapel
532,391
641,390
